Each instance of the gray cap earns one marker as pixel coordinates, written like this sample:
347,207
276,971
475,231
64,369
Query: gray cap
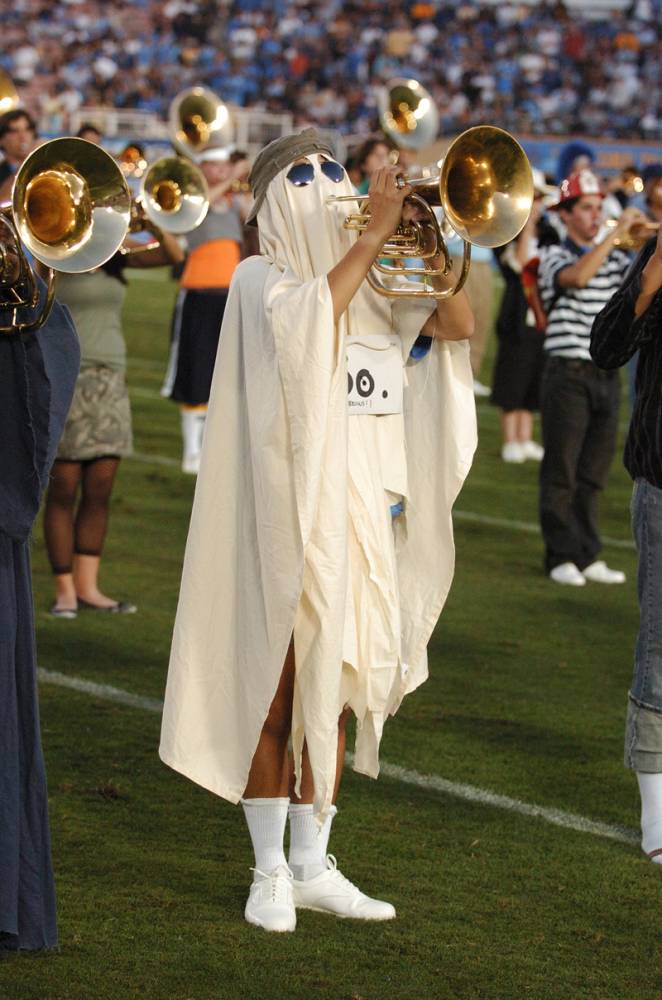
278,155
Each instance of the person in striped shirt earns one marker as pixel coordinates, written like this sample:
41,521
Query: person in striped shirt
579,401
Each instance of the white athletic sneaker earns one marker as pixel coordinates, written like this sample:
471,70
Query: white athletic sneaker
331,892
569,574
599,572
512,452
191,464
533,450
270,903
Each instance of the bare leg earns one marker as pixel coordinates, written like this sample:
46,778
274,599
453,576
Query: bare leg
59,530
307,789
91,527
509,426
524,425
269,774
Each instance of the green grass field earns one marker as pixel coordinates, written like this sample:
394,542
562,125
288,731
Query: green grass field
526,699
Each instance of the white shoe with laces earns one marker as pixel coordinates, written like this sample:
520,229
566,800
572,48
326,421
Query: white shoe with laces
331,892
599,572
270,903
568,574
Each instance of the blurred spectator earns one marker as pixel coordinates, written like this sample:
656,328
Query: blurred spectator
90,132
535,68
18,133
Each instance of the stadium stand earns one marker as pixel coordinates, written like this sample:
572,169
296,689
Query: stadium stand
540,69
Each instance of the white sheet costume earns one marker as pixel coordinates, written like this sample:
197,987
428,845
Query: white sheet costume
291,531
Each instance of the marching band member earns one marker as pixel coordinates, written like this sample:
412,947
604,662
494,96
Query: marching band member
320,551
215,249
97,433
37,376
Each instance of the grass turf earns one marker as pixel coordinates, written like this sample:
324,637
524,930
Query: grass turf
526,697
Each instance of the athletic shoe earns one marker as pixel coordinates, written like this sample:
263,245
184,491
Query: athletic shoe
533,450
191,465
599,572
270,904
513,452
331,892
567,573
480,389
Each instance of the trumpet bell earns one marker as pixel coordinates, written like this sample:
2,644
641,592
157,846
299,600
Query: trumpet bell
407,114
198,118
486,186
174,195
71,205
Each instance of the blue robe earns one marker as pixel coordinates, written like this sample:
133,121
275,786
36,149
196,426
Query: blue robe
37,377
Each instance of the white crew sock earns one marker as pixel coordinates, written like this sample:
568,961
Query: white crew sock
193,426
266,820
308,841
650,790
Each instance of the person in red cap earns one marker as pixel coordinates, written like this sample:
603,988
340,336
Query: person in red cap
579,401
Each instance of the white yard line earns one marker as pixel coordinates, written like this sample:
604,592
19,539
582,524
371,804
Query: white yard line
428,782
529,527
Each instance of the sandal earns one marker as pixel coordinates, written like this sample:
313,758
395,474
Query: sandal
118,608
56,612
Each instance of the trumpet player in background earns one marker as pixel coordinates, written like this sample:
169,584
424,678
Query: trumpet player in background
97,433
214,250
579,402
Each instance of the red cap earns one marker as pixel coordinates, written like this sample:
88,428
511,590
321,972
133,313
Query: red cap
578,184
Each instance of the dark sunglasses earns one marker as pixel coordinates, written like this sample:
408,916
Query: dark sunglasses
304,173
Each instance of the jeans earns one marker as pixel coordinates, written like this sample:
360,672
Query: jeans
643,730
579,411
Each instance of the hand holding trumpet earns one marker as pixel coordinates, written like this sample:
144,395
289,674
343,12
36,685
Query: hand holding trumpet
386,200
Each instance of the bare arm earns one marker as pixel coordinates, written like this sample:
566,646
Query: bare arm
453,319
386,201
168,252
587,266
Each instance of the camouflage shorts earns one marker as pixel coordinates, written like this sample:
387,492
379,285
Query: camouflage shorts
99,421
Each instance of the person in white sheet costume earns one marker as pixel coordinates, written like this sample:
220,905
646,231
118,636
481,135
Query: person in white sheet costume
320,551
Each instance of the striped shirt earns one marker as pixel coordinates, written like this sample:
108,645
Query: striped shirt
616,336
571,311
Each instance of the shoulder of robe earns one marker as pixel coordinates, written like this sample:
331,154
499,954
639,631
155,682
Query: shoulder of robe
251,270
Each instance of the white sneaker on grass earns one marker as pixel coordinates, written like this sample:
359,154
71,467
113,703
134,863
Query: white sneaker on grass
331,892
270,903
512,451
599,572
568,574
532,450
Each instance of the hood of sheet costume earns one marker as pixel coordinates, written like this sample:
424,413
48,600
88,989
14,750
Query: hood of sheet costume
267,552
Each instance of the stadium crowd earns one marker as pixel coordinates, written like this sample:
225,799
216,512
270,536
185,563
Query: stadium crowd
538,69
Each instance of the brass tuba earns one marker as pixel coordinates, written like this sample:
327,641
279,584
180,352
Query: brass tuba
70,208
198,118
407,114
174,194
485,189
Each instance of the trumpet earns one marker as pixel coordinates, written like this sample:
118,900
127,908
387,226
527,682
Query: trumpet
485,189
70,209
637,235
198,118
